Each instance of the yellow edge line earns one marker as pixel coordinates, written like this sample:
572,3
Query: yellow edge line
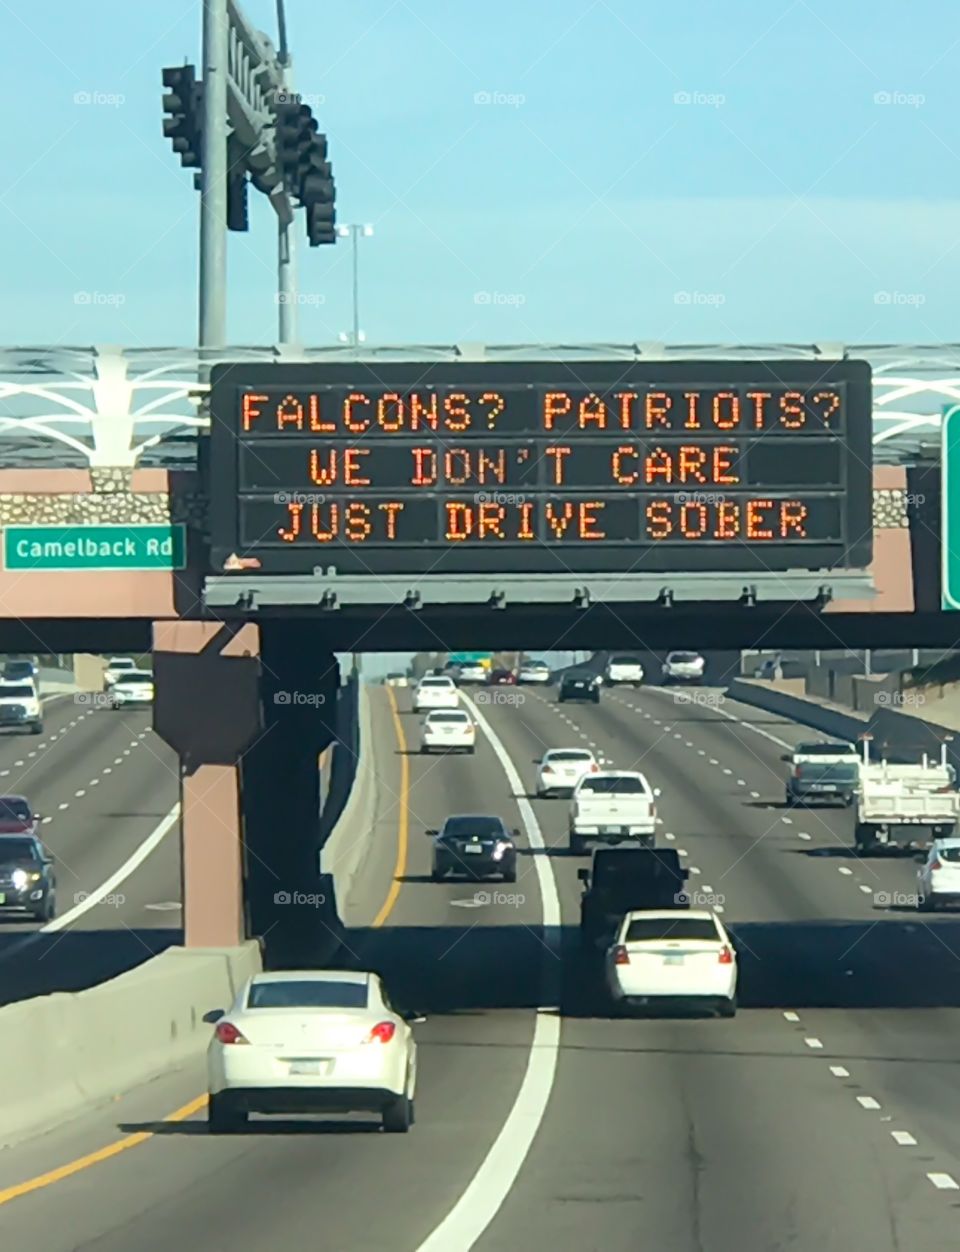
403,824
188,1110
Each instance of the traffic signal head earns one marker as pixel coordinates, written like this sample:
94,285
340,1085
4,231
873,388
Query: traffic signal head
321,224
183,102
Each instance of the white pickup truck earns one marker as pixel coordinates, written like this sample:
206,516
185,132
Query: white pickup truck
898,802
613,806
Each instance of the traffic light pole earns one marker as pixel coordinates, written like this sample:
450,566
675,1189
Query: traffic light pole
286,247
213,195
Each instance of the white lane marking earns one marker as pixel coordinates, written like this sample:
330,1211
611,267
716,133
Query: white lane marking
867,1102
4,773
107,769
718,908
842,869
700,752
669,835
741,782
471,902
904,1138
16,764
755,795
813,1043
134,861
62,806
682,851
839,1071
94,782
867,891
46,820
802,834
30,754
728,771
493,1181
714,761
707,890
78,794
694,869
757,730
791,1016
174,906
943,1182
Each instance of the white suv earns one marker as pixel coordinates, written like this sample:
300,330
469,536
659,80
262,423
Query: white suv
683,667
624,669
20,707
435,693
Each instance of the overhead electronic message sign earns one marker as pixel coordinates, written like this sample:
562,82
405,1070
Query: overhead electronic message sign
542,466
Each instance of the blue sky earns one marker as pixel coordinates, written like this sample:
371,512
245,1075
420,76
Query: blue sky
687,173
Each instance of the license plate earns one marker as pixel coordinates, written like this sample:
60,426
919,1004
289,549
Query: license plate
473,847
673,960
310,1067
611,830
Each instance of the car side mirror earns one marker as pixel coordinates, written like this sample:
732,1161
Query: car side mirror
432,833
214,1016
684,874
785,756
583,875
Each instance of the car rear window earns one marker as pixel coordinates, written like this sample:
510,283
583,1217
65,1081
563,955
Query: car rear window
309,994
614,786
466,827
447,717
949,854
825,749
17,691
136,676
14,810
646,929
683,656
574,754
436,682
625,660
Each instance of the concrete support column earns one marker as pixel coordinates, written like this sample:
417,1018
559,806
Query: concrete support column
281,796
207,708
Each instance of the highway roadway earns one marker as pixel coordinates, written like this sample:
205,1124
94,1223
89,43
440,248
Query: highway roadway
103,783
825,1116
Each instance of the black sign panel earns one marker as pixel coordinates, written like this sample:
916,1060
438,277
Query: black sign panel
411,468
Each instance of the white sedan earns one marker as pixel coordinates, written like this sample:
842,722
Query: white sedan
132,687
311,1041
448,730
562,768
673,956
938,879
534,672
435,693
683,667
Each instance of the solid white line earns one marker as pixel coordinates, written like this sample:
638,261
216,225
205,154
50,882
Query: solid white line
121,875
757,730
943,1182
491,1184
904,1138
838,1071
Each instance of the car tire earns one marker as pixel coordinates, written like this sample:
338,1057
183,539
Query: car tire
398,1116
221,1118
924,904
561,699
511,875
577,845
728,1008
37,730
437,875
48,911
471,751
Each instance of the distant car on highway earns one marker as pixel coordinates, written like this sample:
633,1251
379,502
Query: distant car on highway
683,667
117,665
20,707
312,1041
560,769
17,817
474,846
21,671
473,672
624,669
28,882
534,672
132,688
669,957
435,693
938,879
580,685
502,678
448,730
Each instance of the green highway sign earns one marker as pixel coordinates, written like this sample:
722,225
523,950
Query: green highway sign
469,658
950,508
46,548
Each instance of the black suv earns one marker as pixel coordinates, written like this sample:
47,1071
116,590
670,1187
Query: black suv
622,880
27,880
580,685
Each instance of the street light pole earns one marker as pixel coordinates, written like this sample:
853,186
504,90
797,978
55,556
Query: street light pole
355,231
286,249
213,196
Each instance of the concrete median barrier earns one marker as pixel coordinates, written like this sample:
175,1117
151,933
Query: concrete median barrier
348,842
795,707
69,1051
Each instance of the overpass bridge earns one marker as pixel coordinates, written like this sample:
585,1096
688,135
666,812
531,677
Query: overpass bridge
105,448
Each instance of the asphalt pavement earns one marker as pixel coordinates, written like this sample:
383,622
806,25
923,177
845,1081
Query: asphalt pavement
103,782
822,1117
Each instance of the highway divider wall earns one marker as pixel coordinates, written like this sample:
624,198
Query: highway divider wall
66,1051
346,840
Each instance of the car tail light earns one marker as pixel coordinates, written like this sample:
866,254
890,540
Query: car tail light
228,1033
383,1032
594,768
935,865
796,771
726,955
620,955
548,769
